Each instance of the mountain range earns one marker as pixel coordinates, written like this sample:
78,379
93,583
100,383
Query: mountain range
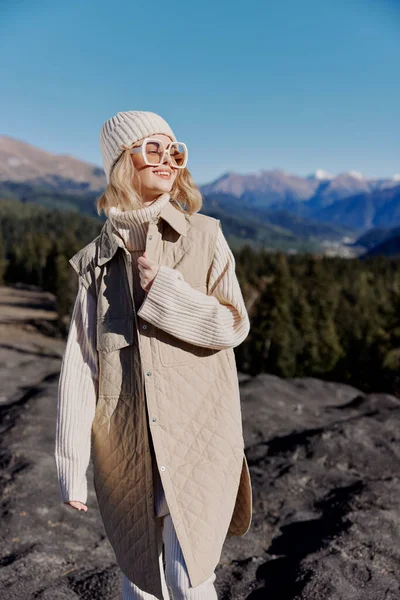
22,163
267,208
319,196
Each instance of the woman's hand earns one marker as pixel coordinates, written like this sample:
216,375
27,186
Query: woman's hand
148,269
77,505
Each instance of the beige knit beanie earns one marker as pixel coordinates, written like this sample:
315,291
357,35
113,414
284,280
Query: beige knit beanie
127,128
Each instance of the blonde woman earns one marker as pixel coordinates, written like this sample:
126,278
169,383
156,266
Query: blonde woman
148,386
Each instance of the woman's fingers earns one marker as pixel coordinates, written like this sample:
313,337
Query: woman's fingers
77,505
147,273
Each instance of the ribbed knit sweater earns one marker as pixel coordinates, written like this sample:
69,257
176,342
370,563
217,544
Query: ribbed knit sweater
218,320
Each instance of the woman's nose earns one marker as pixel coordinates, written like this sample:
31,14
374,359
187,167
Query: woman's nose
168,159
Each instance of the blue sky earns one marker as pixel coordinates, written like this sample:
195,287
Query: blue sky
250,85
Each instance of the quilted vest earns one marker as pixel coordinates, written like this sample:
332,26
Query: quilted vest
158,393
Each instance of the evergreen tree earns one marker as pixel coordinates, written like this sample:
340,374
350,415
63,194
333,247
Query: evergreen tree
322,295
2,260
272,331
306,340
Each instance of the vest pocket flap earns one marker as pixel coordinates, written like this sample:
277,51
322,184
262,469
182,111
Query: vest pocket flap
114,333
174,352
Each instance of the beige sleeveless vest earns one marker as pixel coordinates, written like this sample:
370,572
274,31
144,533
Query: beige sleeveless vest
181,399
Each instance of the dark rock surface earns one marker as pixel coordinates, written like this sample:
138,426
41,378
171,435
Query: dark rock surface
325,466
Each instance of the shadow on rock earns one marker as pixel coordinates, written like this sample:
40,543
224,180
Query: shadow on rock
283,576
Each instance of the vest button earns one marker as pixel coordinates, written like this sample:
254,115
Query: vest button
144,326
154,419
162,468
148,373
150,237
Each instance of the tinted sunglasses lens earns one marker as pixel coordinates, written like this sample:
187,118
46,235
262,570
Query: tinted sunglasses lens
153,152
178,154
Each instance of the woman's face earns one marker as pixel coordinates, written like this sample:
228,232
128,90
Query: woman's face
155,180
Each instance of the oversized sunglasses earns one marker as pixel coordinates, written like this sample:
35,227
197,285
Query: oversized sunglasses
153,152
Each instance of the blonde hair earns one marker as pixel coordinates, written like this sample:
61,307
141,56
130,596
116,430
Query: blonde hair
123,189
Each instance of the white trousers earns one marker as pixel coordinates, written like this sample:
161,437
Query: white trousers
175,579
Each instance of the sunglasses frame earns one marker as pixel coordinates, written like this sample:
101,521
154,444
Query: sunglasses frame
142,146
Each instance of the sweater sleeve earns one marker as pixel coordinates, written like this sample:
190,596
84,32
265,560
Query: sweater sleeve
215,320
77,393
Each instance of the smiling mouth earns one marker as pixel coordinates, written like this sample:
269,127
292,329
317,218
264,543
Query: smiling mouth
163,174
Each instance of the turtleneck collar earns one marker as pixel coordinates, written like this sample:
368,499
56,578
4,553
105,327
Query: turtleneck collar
132,225
139,215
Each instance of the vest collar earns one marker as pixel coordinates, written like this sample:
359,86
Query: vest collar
175,217
109,241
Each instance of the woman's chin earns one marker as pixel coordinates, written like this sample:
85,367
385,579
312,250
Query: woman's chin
163,186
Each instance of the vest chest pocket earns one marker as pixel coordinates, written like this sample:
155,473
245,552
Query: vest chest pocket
114,333
117,353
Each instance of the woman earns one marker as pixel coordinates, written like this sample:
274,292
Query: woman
148,385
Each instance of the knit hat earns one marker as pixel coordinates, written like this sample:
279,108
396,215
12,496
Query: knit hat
127,128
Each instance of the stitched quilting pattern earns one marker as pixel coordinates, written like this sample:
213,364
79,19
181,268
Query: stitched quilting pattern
203,448
197,437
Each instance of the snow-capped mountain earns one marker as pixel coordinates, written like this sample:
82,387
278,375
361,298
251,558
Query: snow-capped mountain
349,198
321,175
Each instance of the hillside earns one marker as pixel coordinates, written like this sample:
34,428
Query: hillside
323,460
389,247
21,162
380,208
